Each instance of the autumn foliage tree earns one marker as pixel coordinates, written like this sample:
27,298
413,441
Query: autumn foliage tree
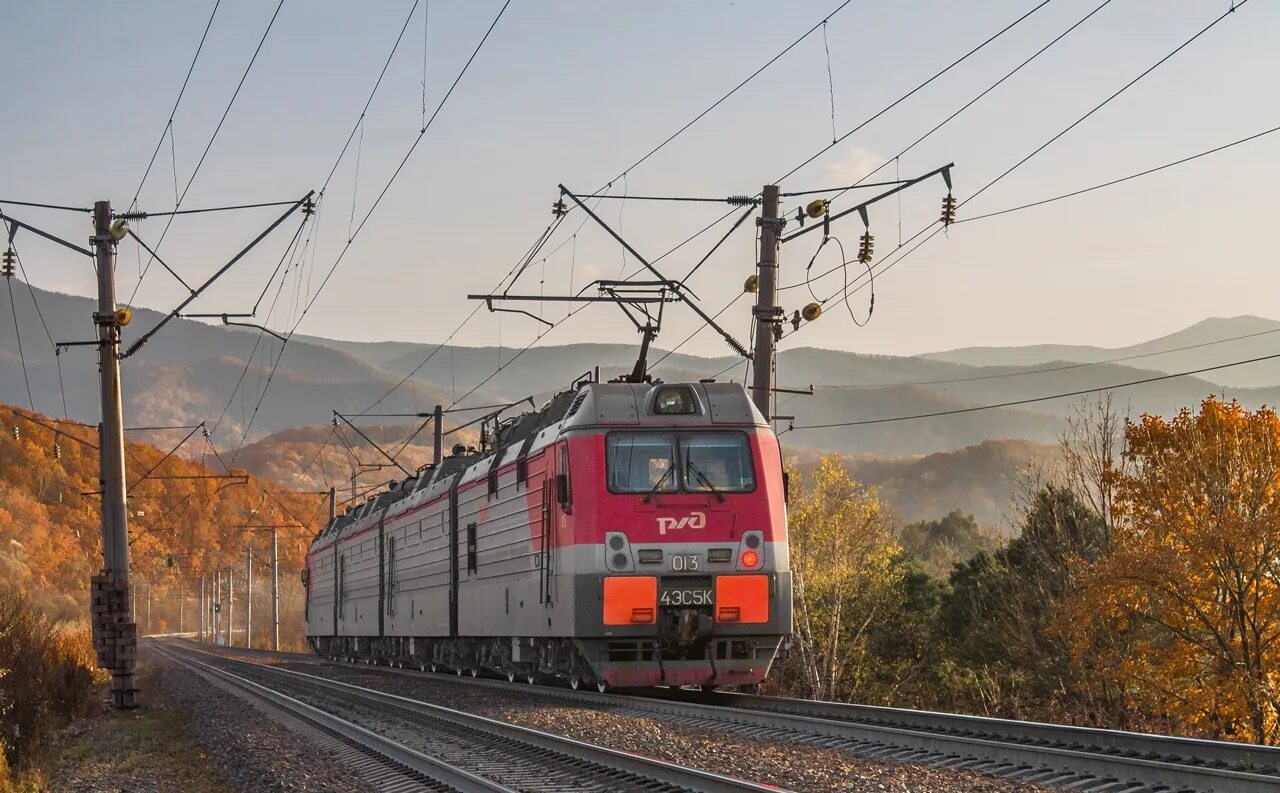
843,555
1194,571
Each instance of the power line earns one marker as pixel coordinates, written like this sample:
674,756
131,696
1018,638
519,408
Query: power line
979,97
38,205
915,90
1032,400
546,234
731,92
376,203
936,225
168,127
200,163
1064,368
1132,176
374,92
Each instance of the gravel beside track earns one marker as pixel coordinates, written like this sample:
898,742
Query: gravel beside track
794,766
254,753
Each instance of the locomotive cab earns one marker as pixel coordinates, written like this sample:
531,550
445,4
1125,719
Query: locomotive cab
679,491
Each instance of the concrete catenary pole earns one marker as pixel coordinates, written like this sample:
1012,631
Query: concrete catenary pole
217,605
119,631
767,313
200,616
275,590
231,606
248,598
437,445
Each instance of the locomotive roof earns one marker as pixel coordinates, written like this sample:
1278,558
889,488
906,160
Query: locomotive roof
588,406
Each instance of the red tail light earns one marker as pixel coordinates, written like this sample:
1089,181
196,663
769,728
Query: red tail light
750,558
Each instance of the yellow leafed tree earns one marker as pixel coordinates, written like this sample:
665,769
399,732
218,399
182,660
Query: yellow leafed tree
1194,570
842,560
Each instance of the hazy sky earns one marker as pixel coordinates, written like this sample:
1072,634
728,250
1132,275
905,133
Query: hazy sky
576,91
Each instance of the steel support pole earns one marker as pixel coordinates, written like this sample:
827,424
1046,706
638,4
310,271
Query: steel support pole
275,589
248,598
119,620
200,616
767,313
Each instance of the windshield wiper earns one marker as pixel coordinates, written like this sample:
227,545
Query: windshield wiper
692,466
662,481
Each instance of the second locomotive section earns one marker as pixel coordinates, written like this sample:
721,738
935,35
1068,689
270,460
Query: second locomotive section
624,535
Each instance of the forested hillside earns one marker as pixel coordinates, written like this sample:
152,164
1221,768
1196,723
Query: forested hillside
181,526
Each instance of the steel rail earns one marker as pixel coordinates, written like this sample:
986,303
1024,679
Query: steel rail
370,743
1086,759
609,762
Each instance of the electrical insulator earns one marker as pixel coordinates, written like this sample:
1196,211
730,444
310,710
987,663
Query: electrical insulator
6,263
17,436
560,208
57,451
948,210
866,248
308,206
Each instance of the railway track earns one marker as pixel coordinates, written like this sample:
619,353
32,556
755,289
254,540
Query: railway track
446,749
1078,758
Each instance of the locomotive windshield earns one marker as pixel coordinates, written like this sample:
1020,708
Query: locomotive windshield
643,462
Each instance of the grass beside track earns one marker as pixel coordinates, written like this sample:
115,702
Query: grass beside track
151,748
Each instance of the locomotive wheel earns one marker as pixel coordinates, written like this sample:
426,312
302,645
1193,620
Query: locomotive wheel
433,668
458,671
511,677
531,679
423,668
602,687
575,682
475,672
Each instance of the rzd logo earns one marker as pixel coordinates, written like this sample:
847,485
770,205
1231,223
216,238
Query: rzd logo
694,520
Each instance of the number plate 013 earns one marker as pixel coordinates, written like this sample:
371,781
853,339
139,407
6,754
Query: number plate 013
686,597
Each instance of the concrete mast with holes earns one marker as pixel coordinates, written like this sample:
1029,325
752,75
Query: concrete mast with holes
115,631
767,313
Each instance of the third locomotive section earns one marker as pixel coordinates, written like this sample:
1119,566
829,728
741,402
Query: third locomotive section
626,534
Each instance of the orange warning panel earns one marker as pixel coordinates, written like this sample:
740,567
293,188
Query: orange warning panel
630,600
742,598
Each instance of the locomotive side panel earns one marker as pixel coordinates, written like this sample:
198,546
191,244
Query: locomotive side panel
509,582
358,573
321,594
418,574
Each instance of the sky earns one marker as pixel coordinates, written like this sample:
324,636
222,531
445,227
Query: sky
576,92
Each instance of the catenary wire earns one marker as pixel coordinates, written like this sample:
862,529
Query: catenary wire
168,127
208,146
1050,369
981,95
915,90
1046,398
373,208
937,227
544,237
897,157
1122,179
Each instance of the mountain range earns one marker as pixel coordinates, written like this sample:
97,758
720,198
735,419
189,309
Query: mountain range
192,371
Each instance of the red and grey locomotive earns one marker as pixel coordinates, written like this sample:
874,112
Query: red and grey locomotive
625,534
